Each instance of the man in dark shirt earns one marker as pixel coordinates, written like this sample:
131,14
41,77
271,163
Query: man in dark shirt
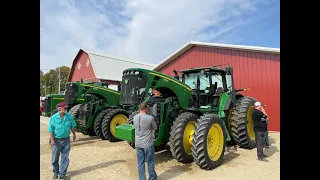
260,128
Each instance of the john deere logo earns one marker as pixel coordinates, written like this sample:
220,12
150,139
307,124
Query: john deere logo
126,81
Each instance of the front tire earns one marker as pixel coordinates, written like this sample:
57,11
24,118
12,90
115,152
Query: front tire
98,123
114,118
208,144
181,136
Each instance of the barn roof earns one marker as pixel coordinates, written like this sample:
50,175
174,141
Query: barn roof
191,44
109,67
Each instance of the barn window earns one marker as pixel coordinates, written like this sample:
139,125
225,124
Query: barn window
79,66
88,62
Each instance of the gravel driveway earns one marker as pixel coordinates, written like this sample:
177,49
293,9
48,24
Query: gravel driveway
94,159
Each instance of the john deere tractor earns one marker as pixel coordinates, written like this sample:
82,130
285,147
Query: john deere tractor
100,103
51,101
198,115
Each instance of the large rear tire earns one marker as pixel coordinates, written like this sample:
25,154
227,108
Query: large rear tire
242,123
208,143
91,132
74,111
181,136
53,112
85,132
114,118
98,123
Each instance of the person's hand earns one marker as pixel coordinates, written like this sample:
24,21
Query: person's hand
74,137
52,143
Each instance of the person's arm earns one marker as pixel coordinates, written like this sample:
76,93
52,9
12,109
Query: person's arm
51,130
73,127
264,116
264,112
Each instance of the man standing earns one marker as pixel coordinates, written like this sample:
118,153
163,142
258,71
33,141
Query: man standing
260,128
144,128
59,129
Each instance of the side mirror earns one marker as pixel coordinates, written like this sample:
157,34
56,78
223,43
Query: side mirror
176,76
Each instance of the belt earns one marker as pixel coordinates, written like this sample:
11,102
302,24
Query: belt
61,138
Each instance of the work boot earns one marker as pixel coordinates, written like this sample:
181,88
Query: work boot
55,176
263,159
64,177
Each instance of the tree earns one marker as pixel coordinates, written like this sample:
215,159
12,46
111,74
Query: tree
42,83
51,80
64,72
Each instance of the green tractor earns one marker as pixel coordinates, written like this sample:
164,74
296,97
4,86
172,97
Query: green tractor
51,101
101,104
197,115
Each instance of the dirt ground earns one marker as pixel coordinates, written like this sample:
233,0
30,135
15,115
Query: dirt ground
94,159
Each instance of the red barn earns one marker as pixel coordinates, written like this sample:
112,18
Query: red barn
97,67
257,68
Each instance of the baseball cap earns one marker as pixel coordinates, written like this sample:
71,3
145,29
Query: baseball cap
62,105
258,104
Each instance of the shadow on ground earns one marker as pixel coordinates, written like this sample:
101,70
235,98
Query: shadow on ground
175,171
163,156
230,156
94,167
271,150
75,144
272,140
88,138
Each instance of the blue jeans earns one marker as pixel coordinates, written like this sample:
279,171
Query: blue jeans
63,147
146,154
267,138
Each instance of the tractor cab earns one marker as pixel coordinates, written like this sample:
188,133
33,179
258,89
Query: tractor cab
207,86
133,87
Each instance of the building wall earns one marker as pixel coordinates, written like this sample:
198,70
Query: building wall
256,70
83,69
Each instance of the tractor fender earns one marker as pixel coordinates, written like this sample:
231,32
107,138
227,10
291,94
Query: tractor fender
194,110
229,101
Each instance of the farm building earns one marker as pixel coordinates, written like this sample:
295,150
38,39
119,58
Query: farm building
257,68
97,67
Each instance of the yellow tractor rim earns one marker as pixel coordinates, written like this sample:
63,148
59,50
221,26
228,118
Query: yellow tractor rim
117,120
215,142
187,136
250,130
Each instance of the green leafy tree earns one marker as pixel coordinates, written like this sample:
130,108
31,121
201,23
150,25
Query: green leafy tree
64,72
50,80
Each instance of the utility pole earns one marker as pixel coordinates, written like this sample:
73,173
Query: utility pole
59,79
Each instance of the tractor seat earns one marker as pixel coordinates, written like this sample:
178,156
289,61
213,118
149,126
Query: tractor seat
216,96
218,91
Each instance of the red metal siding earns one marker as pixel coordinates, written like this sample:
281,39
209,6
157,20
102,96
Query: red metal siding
255,70
85,72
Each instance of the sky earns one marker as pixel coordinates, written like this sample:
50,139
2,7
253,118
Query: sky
151,30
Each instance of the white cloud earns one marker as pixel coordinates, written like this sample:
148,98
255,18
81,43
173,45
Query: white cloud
145,30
